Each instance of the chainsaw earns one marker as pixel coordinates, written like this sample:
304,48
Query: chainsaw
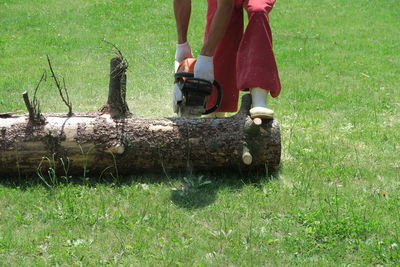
190,96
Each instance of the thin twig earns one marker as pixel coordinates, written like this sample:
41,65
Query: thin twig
60,88
118,52
43,78
35,103
124,62
66,91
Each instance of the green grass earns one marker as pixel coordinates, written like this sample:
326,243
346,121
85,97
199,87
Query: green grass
336,200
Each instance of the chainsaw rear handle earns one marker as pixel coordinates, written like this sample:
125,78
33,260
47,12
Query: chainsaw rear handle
179,75
190,75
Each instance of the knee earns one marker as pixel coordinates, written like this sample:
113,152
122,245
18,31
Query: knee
259,6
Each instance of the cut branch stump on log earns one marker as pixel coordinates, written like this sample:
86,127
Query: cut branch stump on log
116,104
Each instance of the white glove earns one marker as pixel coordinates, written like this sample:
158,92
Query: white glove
182,52
204,68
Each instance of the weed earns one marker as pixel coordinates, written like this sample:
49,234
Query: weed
65,166
50,179
192,184
85,162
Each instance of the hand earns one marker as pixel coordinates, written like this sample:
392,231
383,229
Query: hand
204,68
183,51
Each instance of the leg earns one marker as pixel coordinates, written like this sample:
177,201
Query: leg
256,66
225,57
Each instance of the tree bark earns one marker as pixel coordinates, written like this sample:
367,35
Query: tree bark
101,144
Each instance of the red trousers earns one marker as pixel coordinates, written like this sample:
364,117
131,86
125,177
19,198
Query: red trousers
244,59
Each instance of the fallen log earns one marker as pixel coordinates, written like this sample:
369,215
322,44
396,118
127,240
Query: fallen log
114,141
125,145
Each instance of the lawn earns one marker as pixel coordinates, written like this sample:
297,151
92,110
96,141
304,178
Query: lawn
336,200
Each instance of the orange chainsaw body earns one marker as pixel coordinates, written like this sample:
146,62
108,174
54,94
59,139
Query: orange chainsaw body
187,65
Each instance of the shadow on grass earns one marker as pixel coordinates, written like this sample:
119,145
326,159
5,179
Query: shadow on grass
199,191
195,190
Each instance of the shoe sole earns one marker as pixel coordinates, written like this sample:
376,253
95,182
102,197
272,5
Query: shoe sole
261,115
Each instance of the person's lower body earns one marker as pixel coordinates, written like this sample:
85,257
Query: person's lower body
244,60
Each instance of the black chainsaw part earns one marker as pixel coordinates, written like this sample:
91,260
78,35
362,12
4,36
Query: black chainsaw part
196,92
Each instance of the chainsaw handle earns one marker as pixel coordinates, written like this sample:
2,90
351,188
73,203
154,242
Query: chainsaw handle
180,75
218,101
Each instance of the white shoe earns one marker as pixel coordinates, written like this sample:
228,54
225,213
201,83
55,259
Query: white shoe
260,109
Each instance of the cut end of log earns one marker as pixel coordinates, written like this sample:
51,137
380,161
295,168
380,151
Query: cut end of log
257,121
247,158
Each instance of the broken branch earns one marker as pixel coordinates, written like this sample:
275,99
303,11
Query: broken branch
61,89
34,106
28,106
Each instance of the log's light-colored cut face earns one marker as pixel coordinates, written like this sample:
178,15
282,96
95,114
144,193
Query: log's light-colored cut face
69,126
8,122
